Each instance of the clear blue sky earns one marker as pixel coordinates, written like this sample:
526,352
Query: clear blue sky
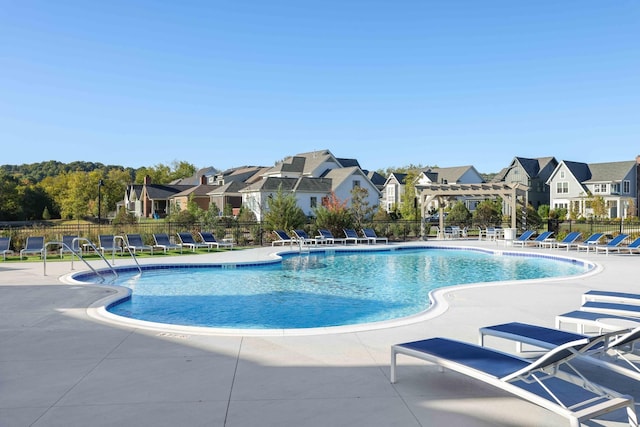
391,83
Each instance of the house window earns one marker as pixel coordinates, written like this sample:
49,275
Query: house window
562,174
615,188
356,183
600,188
313,202
391,193
562,187
626,187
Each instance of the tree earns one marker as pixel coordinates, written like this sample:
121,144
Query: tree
283,212
10,202
543,211
408,208
333,215
459,214
599,207
361,211
488,213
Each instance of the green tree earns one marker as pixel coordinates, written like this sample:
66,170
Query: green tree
459,214
333,215
408,208
599,207
283,212
488,213
532,220
543,211
10,203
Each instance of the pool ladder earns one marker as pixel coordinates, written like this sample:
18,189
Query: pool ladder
76,243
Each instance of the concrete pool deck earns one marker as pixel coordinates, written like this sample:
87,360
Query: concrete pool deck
59,366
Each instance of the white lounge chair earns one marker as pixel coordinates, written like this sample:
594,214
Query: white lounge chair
568,240
162,241
611,296
612,245
34,245
600,322
326,236
523,239
612,354
209,239
352,236
283,238
304,238
537,381
633,247
372,237
187,240
589,242
135,243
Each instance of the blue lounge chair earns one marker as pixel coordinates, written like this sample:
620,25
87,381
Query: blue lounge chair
304,238
372,237
589,242
5,247
568,240
326,236
611,296
70,245
523,238
541,238
571,396
162,241
612,245
107,243
187,240
135,243
584,320
614,308
633,247
352,236
34,245
209,239
612,354
283,238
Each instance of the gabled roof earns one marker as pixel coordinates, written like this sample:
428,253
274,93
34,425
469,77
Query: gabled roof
231,187
608,172
241,173
400,177
338,176
450,175
195,178
164,191
305,184
377,179
347,163
579,170
198,190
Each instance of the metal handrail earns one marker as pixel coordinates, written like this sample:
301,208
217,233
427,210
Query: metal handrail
133,255
78,254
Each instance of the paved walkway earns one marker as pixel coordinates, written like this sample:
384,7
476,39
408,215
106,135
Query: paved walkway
61,367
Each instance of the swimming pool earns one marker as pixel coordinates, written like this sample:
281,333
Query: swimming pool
319,289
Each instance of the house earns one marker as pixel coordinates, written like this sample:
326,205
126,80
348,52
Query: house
574,187
392,191
531,173
198,194
312,177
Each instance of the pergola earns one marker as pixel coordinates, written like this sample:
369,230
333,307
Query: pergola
446,192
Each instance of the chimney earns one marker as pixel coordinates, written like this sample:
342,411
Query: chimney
203,180
147,180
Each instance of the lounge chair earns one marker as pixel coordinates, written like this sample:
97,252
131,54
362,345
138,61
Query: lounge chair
523,238
187,240
107,243
135,243
162,241
70,245
326,236
5,247
584,320
614,308
612,245
614,348
283,238
568,240
589,242
209,239
538,381
540,239
611,296
34,245
372,237
304,238
633,247
352,236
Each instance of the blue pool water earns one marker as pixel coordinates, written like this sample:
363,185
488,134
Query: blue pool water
319,289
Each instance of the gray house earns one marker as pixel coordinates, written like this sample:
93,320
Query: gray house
532,174
574,186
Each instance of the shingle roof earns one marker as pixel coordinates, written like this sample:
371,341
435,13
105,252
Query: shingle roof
612,171
164,191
